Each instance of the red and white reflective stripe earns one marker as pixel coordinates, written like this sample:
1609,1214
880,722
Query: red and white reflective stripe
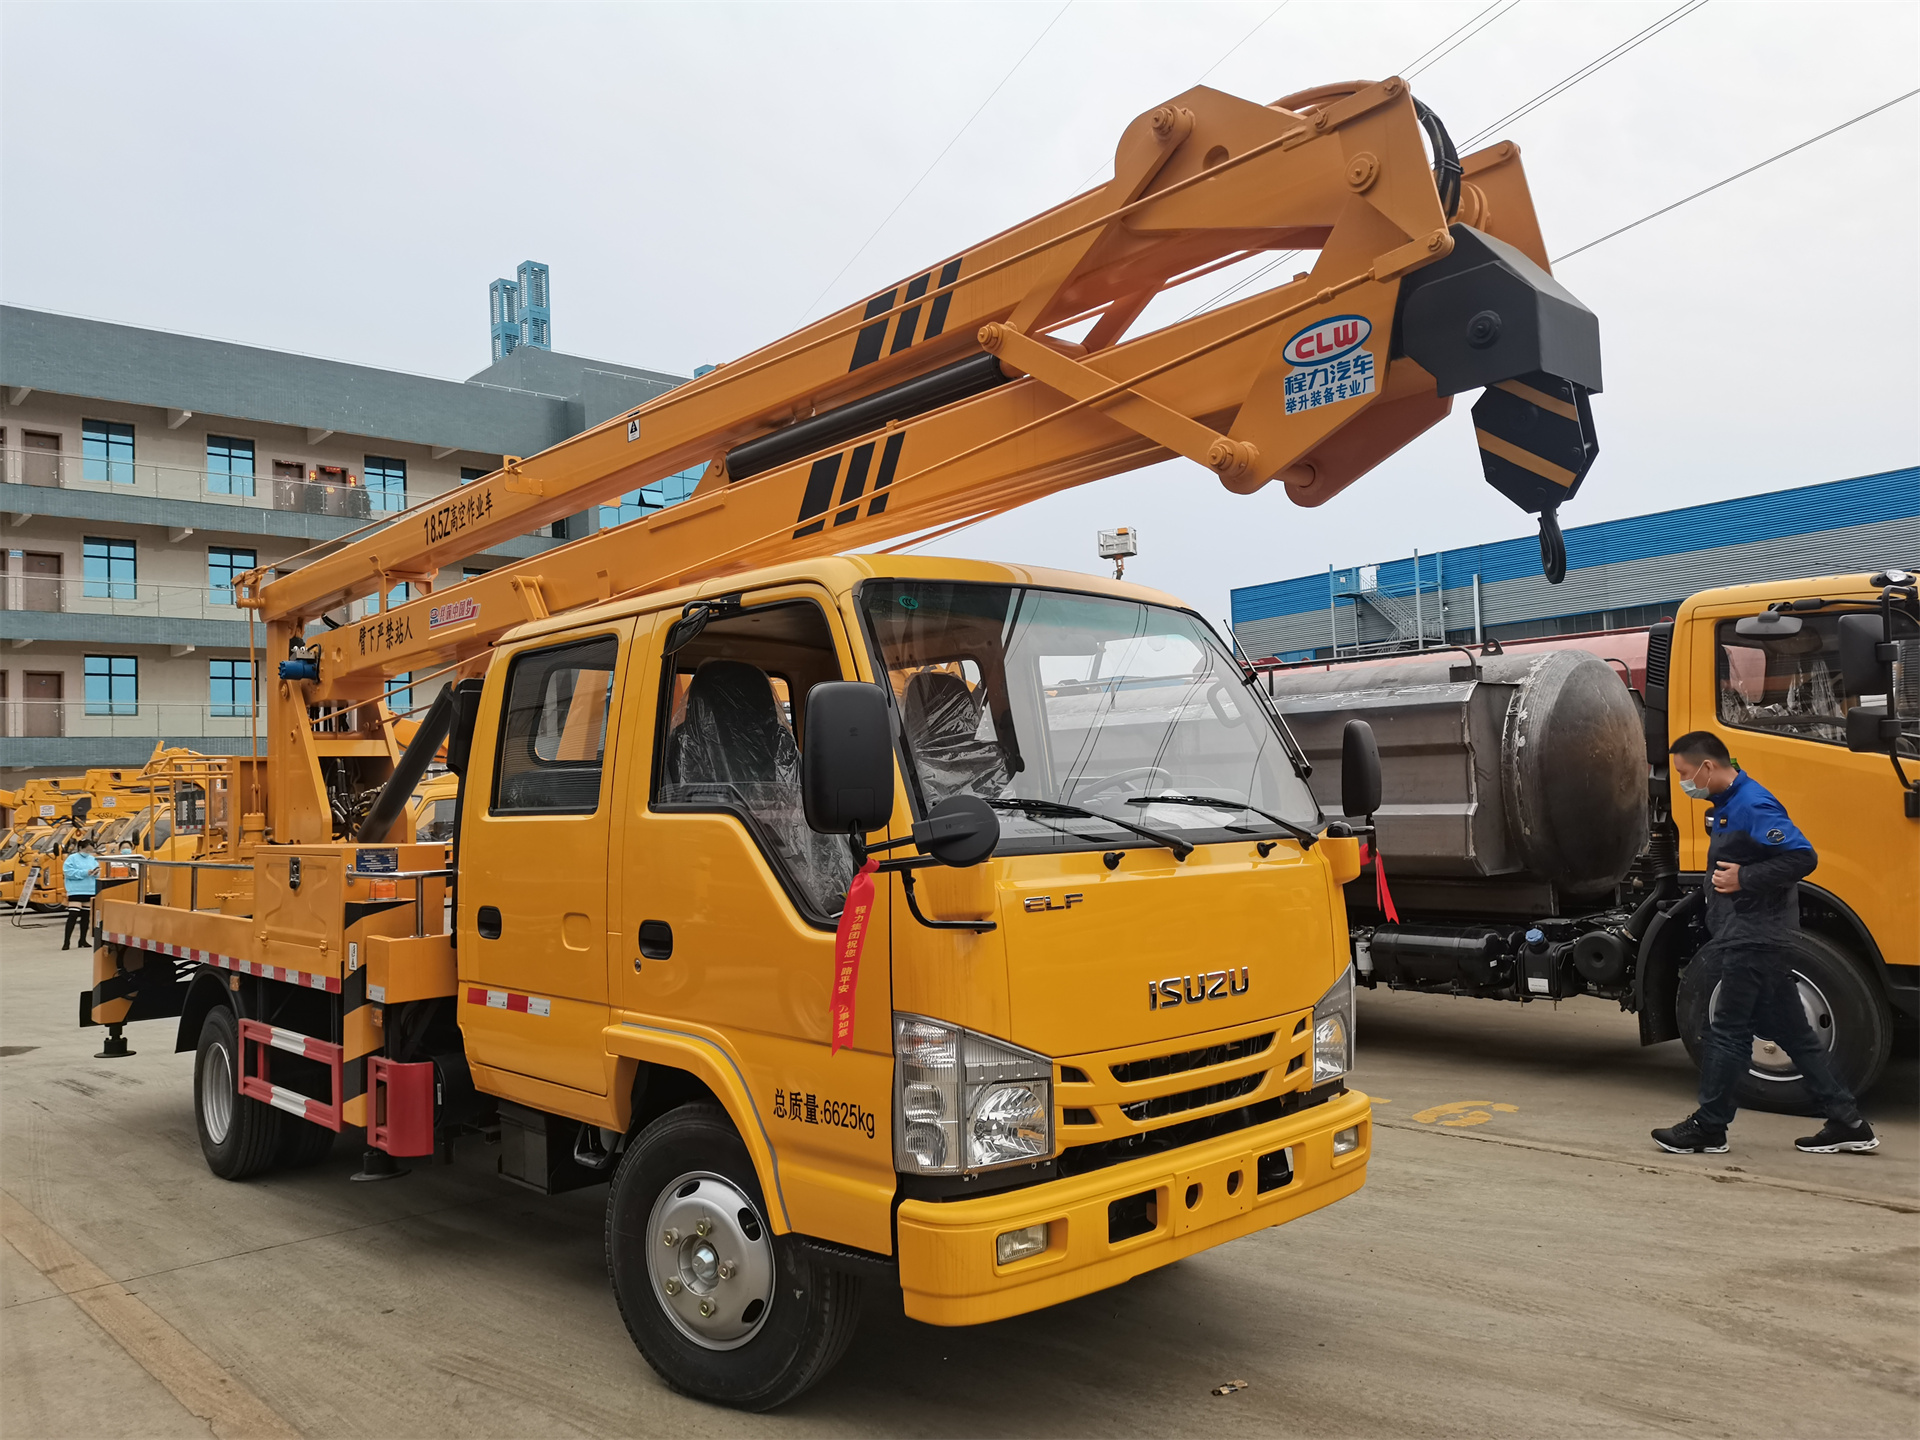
509,1000
296,1043
304,978
256,1084
297,1104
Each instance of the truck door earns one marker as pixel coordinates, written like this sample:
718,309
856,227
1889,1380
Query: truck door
1780,705
533,861
726,901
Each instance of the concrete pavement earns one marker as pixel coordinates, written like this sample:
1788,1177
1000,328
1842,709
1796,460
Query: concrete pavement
1522,1263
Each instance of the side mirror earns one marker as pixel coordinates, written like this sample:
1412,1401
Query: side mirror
1865,655
1768,625
1359,770
961,831
1869,731
846,769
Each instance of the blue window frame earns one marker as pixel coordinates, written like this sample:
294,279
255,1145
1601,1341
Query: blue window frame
113,685
386,483
229,466
471,473
400,693
649,498
223,564
106,451
230,687
108,568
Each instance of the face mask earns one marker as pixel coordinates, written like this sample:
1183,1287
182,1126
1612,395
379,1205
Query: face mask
1695,792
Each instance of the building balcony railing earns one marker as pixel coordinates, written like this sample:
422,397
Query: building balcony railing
121,719
77,595
347,499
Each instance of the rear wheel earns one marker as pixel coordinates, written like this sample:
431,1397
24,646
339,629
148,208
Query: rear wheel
1842,1004
303,1143
240,1137
718,1306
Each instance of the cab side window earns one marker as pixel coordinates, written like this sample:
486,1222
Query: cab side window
733,716
1785,684
553,730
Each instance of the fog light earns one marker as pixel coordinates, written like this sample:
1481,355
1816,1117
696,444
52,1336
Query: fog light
1346,1141
1019,1244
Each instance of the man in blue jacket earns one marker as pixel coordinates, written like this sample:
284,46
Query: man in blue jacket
82,874
1756,859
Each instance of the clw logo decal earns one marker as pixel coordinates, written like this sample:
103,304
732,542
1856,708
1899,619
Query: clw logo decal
1328,340
872,339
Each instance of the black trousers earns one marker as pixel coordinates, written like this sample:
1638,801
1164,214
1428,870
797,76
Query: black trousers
1758,995
79,917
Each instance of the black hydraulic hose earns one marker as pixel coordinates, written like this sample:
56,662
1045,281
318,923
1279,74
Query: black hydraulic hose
1446,160
406,774
959,381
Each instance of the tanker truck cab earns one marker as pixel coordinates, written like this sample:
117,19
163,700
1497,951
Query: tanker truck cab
1101,1018
1762,667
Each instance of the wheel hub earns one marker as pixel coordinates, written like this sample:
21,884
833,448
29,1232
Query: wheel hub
1768,1061
710,1260
216,1092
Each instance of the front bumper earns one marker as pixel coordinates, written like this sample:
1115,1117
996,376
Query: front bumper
948,1270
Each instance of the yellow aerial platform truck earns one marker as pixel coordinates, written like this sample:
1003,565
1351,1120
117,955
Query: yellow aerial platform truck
859,915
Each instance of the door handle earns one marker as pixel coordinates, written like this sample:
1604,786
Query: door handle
656,940
489,922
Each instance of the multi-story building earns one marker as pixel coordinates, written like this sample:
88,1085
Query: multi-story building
1619,572
141,470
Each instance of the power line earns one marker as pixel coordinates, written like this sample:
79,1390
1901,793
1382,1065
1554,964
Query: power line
1425,64
941,156
1243,40
1448,36
1719,184
1592,67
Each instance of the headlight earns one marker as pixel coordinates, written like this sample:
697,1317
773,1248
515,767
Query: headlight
966,1102
1333,1031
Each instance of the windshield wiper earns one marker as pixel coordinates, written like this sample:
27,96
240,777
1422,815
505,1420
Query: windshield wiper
1304,836
1180,848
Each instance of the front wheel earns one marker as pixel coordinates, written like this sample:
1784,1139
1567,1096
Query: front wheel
240,1137
1842,1005
719,1307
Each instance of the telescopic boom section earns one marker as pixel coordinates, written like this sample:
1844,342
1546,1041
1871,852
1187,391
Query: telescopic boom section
953,395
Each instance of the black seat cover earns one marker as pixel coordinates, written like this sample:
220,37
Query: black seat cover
732,731
942,720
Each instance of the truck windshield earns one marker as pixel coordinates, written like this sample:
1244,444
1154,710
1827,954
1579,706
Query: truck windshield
1011,693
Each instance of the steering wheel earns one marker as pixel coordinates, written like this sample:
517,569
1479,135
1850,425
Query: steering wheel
1124,777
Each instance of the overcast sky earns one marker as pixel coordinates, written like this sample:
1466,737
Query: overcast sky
345,180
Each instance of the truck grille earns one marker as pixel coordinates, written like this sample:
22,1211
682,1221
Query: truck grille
1192,1099
1134,1071
1122,1104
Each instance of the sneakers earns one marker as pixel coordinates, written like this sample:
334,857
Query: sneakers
1689,1137
1835,1137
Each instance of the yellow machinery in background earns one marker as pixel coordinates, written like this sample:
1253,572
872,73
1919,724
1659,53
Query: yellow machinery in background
967,925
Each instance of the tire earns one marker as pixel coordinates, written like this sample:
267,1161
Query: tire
240,1137
1843,1004
302,1143
689,1167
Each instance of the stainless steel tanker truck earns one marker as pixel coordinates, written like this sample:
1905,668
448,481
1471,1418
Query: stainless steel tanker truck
1537,849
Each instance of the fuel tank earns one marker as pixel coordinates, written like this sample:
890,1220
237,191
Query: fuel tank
1528,768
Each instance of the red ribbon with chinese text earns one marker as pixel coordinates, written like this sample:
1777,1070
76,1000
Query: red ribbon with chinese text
847,942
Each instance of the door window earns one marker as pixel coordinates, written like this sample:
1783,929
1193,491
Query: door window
733,711
1785,684
553,733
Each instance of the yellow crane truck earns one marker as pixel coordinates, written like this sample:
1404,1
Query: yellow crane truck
860,915
1540,847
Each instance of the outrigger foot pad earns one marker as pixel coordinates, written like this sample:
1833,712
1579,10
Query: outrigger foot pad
377,1165
114,1047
